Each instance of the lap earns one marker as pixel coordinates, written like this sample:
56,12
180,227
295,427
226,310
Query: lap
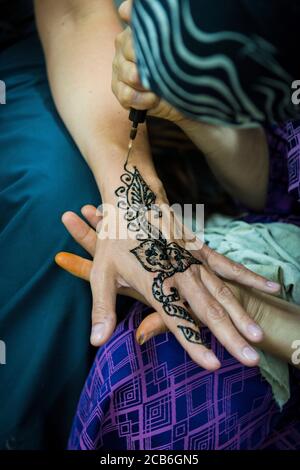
155,397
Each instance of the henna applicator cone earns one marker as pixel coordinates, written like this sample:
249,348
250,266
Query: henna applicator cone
136,117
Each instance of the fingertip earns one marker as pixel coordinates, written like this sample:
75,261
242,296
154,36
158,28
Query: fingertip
59,257
85,209
125,10
254,333
140,338
96,343
212,367
99,334
206,359
212,363
98,212
250,356
273,286
65,216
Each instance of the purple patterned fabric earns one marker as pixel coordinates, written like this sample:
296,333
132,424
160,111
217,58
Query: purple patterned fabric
292,130
154,397
283,202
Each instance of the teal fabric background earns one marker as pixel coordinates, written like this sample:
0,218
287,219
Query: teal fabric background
44,312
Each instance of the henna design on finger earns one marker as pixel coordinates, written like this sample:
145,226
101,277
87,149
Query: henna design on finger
190,334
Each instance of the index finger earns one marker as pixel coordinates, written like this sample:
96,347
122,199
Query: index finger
127,45
125,10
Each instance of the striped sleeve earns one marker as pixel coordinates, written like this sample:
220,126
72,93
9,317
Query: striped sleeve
222,62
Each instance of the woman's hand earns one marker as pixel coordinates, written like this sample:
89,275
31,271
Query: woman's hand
126,84
238,157
279,319
210,301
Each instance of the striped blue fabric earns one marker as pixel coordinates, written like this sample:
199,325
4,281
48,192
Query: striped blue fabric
220,62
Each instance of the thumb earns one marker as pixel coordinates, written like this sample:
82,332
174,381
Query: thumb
151,326
104,317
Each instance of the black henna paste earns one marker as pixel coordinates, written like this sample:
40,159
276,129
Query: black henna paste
153,252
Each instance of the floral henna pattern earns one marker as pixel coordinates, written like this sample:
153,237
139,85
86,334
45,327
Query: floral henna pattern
154,253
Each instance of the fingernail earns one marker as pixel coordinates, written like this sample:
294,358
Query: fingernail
250,354
211,358
273,285
141,339
97,333
255,331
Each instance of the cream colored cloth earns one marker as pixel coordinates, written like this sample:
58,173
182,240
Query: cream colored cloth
272,250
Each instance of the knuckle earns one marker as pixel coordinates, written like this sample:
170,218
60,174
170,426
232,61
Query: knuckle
169,285
132,74
150,100
126,73
223,293
189,274
215,313
127,95
237,269
99,308
127,36
118,40
128,50
170,288
209,254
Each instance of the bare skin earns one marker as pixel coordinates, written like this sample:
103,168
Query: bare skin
280,320
78,40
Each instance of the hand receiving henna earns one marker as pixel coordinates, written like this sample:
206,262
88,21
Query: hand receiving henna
168,276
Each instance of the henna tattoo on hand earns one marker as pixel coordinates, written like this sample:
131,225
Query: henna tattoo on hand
190,334
154,253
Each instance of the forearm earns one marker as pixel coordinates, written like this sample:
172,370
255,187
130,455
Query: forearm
238,158
78,40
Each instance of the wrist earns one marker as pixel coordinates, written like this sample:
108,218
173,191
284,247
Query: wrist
108,173
108,189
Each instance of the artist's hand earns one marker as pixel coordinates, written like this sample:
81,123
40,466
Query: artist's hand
126,84
255,305
213,303
239,158
279,320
